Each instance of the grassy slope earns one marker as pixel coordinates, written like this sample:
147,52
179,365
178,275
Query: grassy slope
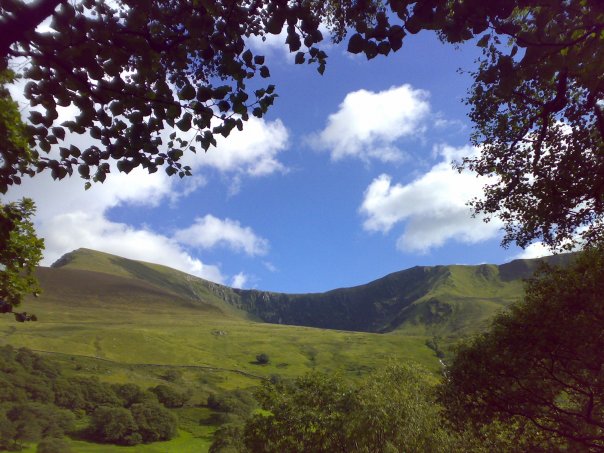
450,301
114,317
136,313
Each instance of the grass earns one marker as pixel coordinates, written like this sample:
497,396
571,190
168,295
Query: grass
183,443
185,338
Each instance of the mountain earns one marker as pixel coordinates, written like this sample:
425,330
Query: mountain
450,301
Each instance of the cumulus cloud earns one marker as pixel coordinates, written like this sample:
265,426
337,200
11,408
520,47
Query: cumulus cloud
275,45
432,207
252,151
68,217
534,250
209,231
239,280
368,124
93,231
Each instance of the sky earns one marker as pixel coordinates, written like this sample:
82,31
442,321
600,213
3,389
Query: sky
348,178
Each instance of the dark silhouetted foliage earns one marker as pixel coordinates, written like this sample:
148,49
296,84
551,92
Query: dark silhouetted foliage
540,364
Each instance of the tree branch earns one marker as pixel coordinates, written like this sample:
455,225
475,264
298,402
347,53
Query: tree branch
15,26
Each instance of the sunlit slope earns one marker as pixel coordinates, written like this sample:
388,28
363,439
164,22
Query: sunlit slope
124,314
163,278
103,306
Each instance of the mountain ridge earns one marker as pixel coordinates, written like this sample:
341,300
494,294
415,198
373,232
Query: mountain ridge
443,300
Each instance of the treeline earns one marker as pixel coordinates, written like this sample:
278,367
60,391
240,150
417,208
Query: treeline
39,404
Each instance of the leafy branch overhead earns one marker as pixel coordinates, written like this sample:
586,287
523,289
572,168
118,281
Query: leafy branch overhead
134,69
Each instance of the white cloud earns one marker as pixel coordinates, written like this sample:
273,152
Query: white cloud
433,206
239,280
271,44
534,250
209,231
270,266
275,45
252,152
368,124
93,231
68,217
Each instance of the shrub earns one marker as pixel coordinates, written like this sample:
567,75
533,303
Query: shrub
154,421
114,425
53,445
168,396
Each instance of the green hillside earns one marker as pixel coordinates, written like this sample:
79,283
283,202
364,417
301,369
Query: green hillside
449,300
104,307
126,321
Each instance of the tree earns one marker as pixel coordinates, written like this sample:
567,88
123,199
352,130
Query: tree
16,154
154,421
309,414
7,432
538,110
539,367
33,421
53,445
130,394
392,410
20,253
134,69
168,396
114,425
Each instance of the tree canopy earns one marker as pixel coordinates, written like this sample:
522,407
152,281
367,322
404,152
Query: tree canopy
538,370
392,410
137,69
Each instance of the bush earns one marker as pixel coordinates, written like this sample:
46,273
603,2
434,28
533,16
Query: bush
114,425
53,445
239,402
168,396
393,410
33,421
172,376
154,421
262,359
131,394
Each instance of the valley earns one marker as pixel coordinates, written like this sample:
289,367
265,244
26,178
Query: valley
126,321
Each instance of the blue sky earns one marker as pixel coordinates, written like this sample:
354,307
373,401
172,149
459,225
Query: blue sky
347,179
